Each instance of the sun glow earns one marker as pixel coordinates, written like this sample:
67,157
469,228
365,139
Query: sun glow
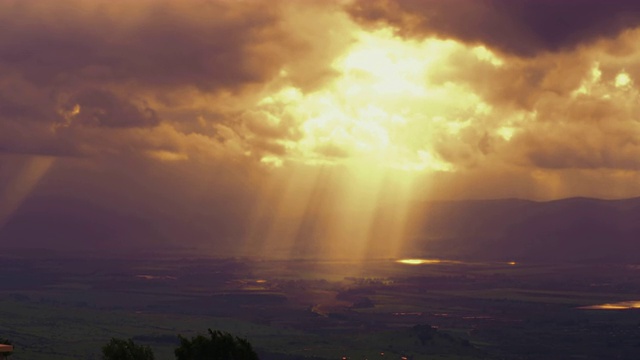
349,153
387,106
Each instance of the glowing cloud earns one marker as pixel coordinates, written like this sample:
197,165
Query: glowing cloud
381,107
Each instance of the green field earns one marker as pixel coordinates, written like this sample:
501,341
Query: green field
322,310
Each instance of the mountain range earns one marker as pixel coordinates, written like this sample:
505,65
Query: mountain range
573,229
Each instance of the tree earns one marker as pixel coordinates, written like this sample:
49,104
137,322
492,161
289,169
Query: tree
218,346
119,349
424,332
4,341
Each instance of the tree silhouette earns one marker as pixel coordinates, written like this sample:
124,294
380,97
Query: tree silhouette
4,341
218,346
119,349
424,332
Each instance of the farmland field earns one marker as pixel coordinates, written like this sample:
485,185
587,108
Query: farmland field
304,309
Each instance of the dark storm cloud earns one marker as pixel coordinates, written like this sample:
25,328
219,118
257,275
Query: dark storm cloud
75,65
521,27
11,109
206,44
102,108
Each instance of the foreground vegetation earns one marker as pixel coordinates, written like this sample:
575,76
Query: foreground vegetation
218,346
119,349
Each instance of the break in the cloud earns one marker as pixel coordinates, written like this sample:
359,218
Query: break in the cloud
256,118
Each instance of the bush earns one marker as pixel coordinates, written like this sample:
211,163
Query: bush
119,349
218,346
4,341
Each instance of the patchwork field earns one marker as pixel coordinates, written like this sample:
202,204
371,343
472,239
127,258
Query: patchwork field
308,309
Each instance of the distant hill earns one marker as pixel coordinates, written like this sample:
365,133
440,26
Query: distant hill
64,224
574,229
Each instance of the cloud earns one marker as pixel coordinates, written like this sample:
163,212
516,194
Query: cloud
210,121
210,45
102,108
521,27
82,76
461,87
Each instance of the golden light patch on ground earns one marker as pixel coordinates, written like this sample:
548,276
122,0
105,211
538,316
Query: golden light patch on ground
625,305
424,261
415,261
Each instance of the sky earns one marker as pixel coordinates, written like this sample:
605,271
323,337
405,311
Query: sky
259,125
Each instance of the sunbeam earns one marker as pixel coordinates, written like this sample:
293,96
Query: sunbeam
24,176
